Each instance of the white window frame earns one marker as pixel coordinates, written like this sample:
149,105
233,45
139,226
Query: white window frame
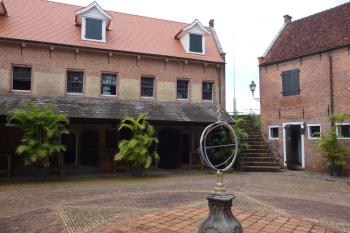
309,136
83,29
270,136
337,132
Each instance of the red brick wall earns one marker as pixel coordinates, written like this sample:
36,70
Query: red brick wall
313,99
49,72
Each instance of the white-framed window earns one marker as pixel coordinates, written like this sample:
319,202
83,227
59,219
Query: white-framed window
343,130
93,29
196,43
273,132
21,78
182,89
109,84
314,131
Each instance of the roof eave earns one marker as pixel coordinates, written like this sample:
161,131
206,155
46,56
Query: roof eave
269,63
120,52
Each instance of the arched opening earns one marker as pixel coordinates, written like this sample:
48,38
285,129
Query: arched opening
70,141
169,148
89,153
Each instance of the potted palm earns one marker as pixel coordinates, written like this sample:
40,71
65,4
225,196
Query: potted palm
139,148
42,129
334,151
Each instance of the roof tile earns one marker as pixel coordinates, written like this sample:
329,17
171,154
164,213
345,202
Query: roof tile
319,32
52,22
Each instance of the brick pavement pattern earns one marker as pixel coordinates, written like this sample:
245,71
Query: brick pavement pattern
187,220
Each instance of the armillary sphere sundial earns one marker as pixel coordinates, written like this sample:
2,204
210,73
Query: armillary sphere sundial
218,148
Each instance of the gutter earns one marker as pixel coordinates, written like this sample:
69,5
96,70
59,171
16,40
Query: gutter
331,88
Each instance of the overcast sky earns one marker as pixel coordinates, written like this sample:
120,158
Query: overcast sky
245,29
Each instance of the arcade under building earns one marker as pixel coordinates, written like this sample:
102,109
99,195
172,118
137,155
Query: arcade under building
92,143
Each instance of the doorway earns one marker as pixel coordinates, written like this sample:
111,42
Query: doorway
89,155
294,145
70,141
169,148
185,148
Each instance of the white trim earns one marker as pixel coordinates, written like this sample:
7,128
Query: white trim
217,41
337,132
302,143
274,126
92,5
193,24
83,30
309,136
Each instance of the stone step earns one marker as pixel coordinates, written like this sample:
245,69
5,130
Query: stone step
262,168
266,158
260,163
258,154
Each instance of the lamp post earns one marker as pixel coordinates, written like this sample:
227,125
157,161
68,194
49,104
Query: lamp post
252,87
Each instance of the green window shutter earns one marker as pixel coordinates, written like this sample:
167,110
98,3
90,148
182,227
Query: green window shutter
290,82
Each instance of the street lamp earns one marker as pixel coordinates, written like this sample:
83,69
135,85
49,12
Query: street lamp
252,87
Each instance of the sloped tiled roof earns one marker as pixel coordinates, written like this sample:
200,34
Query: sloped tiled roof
319,32
108,109
52,22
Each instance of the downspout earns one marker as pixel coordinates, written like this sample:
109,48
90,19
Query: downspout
331,89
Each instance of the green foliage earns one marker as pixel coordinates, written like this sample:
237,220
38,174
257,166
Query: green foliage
138,148
42,129
334,151
240,132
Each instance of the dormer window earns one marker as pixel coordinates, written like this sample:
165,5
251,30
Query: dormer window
196,43
192,37
94,29
94,22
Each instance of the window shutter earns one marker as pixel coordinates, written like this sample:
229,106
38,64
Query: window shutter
285,82
290,82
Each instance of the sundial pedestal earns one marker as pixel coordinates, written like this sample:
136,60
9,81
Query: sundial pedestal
221,218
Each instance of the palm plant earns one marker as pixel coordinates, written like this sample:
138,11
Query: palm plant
334,151
42,129
138,149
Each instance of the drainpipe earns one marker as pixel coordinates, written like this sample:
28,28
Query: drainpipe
331,91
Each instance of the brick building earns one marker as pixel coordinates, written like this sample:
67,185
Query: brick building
99,66
304,78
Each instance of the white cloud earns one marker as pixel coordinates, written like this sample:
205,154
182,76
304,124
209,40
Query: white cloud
245,29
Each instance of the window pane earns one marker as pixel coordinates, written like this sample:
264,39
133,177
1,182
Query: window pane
196,43
75,81
207,91
21,78
345,131
274,132
93,29
314,131
290,82
147,86
109,84
182,89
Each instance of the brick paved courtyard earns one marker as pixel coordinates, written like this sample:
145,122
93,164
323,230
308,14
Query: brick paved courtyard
307,202
187,220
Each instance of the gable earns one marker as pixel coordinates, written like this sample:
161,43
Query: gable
316,33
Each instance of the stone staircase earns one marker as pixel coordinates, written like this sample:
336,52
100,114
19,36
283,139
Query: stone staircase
257,157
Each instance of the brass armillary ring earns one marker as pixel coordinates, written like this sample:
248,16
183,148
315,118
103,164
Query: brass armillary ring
226,160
